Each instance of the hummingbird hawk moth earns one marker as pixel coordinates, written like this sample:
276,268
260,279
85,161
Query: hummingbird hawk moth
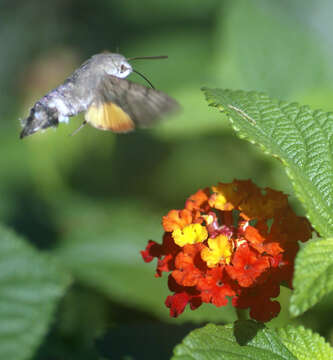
110,102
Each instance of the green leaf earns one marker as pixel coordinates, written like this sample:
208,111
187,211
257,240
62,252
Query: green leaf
102,250
313,277
305,344
241,340
299,137
30,287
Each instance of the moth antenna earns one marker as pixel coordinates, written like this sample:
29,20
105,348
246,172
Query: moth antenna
137,72
148,57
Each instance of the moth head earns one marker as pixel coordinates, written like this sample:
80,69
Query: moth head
118,66
125,69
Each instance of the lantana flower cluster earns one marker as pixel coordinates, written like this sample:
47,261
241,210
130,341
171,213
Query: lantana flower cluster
233,240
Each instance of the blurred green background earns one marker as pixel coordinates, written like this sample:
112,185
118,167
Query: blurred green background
95,199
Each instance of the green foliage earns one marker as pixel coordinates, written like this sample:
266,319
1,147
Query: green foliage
93,200
305,344
31,285
313,275
298,136
242,340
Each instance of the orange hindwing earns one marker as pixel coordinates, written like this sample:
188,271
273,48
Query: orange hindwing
109,116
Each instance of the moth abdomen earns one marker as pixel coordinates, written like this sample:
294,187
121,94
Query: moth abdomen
40,117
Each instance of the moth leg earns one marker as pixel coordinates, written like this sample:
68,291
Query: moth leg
79,128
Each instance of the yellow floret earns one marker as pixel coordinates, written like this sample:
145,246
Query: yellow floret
208,218
190,234
220,250
217,201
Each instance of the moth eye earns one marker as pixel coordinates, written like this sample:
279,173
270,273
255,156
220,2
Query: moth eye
123,68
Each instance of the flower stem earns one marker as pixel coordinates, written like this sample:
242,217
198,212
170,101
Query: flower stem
241,314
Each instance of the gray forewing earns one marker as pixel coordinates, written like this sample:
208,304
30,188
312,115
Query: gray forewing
144,105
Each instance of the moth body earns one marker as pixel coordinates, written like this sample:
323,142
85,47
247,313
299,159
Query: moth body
98,88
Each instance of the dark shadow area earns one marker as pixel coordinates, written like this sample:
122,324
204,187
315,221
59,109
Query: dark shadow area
143,341
245,331
89,326
33,218
316,317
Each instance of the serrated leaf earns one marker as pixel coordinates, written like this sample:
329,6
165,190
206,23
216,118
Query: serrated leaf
241,340
299,137
30,287
305,344
313,277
